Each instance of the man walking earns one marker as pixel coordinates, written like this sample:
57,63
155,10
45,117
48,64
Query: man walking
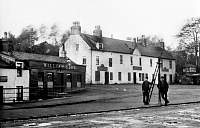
163,89
145,91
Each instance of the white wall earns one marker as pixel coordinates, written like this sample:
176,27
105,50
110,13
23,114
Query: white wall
91,67
14,81
171,71
77,56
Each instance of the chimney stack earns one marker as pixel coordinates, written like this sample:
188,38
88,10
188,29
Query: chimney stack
162,44
76,28
5,35
144,42
97,31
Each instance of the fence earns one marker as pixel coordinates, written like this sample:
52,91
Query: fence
21,94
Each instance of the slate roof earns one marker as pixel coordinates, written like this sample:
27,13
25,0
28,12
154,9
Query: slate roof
3,64
39,57
126,47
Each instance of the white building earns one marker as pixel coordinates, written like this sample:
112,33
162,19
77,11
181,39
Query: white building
15,82
110,61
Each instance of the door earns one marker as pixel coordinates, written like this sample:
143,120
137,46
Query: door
170,78
60,83
1,95
134,78
68,81
165,77
106,77
19,93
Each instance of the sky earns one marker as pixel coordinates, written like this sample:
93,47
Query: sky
120,18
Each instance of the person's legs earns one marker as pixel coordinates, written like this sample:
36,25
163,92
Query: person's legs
144,98
166,100
147,98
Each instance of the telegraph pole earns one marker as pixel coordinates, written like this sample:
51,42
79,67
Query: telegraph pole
159,96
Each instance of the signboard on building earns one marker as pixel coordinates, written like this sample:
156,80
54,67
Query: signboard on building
102,68
137,68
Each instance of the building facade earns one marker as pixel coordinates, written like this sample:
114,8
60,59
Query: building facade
27,76
110,61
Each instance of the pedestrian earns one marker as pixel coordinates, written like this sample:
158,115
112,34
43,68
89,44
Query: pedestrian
163,89
145,91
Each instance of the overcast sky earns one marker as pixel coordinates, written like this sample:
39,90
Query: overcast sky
122,18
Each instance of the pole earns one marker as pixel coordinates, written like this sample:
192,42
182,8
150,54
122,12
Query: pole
159,96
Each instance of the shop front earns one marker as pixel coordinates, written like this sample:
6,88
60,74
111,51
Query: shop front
50,79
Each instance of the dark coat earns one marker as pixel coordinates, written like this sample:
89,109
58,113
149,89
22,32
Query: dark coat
145,86
163,86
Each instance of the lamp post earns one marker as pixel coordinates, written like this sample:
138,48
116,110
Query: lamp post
159,96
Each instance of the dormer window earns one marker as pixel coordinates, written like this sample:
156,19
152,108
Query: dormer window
99,46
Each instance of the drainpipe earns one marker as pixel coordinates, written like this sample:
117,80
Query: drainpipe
91,69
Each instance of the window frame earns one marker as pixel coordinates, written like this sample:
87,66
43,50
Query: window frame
110,62
97,60
121,59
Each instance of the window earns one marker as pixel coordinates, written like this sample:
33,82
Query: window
111,75
146,75
3,78
19,66
140,77
131,58
100,46
110,62
121,59
40,76
119,76
77,47
140,61
97,75
129,76
161,63
97,60
151,62
50,80
84,60
170,64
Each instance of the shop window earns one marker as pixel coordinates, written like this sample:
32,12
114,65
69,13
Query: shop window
111,75
69,80
119,76
110,62
97,75
78,80
40,79
129,76
50,80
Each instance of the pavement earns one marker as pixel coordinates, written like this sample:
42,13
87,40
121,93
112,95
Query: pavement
101,98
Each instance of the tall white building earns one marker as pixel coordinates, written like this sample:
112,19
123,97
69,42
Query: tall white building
110,61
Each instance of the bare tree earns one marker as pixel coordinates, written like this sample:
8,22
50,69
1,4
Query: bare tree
189,37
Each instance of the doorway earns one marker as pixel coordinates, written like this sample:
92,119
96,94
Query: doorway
134,78
19,93
106,77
